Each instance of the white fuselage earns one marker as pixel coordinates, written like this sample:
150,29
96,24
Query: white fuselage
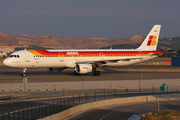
66,58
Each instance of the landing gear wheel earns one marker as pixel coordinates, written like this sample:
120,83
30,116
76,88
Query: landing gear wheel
23,74
96,73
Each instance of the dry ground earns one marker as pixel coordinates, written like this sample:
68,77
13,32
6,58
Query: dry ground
165,115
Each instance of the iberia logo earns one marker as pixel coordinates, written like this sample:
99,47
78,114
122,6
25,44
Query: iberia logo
152,41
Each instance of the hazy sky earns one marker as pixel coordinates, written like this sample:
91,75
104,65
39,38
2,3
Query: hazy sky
89,18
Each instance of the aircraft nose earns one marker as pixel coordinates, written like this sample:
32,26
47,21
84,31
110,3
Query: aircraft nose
6,62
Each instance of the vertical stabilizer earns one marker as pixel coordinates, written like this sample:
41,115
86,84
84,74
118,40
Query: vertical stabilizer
151,41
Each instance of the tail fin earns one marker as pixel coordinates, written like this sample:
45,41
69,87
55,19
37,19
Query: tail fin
151,41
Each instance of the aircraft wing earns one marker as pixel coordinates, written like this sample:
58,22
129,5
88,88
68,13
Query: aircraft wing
99,62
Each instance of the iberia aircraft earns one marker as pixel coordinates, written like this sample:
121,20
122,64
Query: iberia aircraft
85,61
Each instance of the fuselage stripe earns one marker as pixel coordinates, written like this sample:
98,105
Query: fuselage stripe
45,53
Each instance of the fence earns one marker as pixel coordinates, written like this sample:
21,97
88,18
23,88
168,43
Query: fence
73,92
76,99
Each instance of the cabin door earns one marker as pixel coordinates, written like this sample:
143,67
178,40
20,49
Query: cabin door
101,56
27,56
61,57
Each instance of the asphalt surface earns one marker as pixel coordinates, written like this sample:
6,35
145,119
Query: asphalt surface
18,104
12,75
123,112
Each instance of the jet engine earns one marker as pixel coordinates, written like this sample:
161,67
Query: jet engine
56,69
83,68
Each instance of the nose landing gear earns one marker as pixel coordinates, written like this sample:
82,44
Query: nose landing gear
24,72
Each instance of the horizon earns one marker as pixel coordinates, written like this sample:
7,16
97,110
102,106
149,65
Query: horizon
85,38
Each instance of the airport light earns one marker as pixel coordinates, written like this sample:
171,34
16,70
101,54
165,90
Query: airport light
20,88
63,87
177,88
171,88
29,88
46,87
55,87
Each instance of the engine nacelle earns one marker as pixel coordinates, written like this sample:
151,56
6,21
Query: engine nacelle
83,68
56,69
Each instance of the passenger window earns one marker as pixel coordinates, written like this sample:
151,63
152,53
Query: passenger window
18,56
14,55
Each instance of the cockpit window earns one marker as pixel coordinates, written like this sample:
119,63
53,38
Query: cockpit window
16,56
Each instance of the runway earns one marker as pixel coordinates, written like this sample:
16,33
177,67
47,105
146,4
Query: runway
110,78
12,75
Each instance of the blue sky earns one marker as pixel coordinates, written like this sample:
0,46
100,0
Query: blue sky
89,18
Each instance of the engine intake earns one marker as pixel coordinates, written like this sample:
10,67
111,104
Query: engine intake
83,68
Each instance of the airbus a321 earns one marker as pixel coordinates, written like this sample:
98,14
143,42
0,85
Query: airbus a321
85,60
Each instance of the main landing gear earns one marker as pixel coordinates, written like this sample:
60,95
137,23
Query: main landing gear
96,73
24,72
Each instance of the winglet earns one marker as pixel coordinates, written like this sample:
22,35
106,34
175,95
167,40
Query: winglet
151,41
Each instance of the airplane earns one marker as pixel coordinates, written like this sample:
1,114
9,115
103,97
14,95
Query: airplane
85,60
